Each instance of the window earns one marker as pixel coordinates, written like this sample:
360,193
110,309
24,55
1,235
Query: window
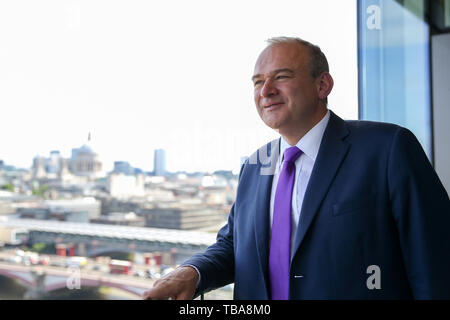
394,65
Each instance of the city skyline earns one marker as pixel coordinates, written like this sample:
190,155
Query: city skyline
146,76
112,168
118,166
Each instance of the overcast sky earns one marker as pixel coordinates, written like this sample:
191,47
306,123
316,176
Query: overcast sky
141,75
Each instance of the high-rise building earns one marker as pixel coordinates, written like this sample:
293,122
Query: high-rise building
53,162
123,167
39,167
159,166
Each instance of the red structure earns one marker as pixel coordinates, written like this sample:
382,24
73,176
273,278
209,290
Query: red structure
71,250
119,267
148,258
158,258
61,249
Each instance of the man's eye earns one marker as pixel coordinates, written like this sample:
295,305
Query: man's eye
282,77
257,83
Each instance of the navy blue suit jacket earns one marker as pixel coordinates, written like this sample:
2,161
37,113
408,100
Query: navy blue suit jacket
373,199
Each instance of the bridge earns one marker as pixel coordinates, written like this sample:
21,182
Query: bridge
40,280
94,239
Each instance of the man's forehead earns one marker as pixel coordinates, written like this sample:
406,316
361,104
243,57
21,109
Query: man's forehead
279,56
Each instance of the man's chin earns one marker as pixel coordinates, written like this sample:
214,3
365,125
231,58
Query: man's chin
275,125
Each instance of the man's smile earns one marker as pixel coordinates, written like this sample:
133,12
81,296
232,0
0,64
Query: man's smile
272,106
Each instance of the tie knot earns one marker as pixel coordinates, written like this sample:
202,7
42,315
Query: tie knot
291,154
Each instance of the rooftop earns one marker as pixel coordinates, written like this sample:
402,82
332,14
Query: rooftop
113,231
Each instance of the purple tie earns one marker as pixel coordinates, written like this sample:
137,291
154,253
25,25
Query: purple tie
280,241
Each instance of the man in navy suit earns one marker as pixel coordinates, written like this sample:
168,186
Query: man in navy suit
367,216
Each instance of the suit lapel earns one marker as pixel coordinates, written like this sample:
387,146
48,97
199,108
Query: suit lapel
331,154
262,207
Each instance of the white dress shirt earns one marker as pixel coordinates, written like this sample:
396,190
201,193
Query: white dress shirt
309,144
304,164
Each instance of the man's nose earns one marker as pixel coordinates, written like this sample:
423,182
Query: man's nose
268,89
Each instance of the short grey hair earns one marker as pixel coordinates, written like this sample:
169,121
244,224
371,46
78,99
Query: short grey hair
318,63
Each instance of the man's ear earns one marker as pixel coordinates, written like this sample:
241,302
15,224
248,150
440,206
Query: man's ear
325,85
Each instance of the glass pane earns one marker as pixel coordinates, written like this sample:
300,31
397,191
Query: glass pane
394,65
440,14
447,13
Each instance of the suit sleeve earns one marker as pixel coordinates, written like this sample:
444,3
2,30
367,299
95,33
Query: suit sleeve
216,264
421,209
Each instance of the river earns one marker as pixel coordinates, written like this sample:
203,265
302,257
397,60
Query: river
11,289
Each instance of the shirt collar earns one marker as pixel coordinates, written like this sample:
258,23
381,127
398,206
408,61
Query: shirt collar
310,142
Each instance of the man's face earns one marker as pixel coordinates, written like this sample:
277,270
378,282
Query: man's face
286,95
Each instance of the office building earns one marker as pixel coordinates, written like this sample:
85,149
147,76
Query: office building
183,216
159,164
123,167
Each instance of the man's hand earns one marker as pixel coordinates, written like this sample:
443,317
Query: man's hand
180,284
